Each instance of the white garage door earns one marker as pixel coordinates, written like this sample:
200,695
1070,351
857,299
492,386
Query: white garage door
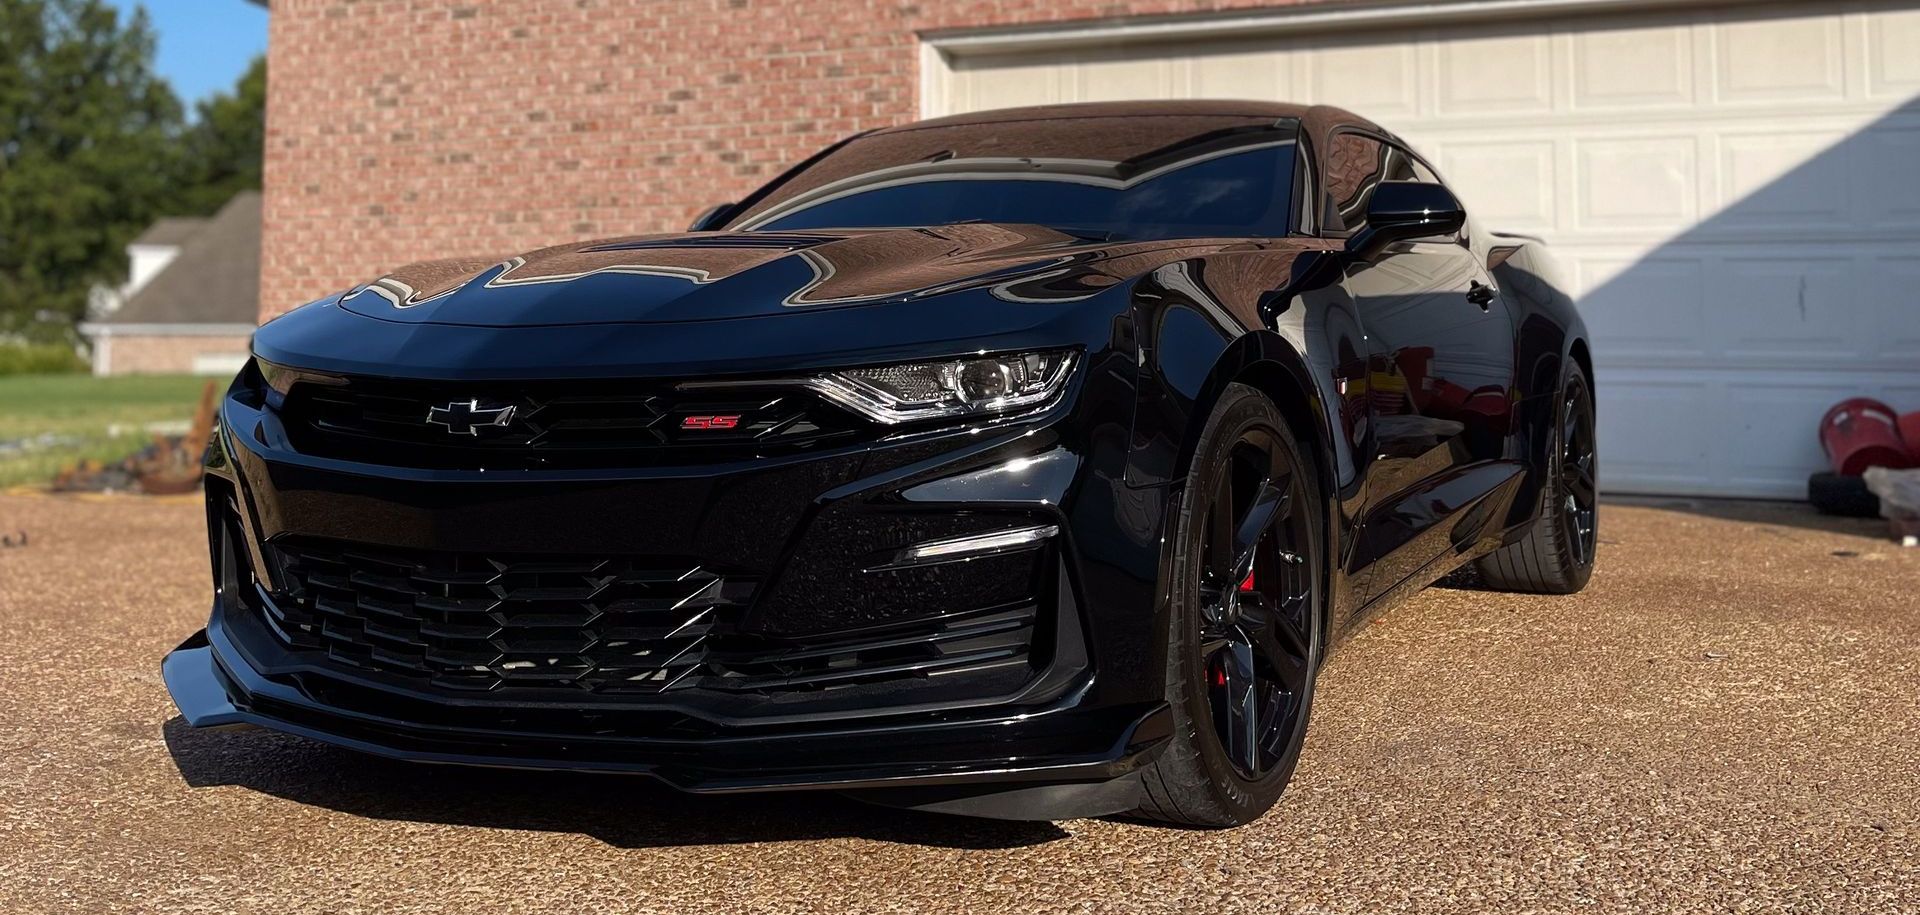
1734,193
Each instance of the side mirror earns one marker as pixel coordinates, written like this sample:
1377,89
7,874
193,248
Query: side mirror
712,218
1400,210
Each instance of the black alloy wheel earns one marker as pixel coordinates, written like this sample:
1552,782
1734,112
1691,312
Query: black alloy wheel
1579,476
1245,619
1256,598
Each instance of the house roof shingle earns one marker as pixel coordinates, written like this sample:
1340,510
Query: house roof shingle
215,279
172,231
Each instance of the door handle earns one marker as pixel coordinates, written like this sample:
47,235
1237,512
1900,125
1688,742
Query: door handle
1481,294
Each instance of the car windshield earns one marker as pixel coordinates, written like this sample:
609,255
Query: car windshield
1120,180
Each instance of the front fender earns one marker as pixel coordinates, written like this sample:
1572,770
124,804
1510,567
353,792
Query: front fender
1294,344
1192,343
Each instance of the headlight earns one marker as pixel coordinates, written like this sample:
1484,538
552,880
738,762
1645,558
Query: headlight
949,388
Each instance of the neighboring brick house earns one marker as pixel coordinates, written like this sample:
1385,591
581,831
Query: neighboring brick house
1727,181
192,295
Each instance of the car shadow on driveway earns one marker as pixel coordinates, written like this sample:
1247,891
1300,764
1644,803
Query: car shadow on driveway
625,811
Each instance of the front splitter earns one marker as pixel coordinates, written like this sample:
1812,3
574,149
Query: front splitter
211,695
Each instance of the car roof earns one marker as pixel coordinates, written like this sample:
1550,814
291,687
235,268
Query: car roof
1316,118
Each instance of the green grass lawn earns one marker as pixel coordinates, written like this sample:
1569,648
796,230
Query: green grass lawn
82,412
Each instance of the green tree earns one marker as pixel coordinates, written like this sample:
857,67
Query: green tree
88,155
221,149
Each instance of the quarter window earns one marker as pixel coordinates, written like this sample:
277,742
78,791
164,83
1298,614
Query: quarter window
1355,165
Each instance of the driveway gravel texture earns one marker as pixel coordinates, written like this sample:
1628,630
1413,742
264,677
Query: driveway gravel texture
1725,721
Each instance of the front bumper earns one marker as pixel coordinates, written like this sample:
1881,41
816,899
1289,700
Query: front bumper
1062,741
1057,747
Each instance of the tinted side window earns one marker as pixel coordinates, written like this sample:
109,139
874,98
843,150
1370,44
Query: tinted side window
1354,165
1422,173
1402,166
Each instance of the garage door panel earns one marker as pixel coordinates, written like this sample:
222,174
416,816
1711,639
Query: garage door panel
1243,72
1886,176
1893,65
1495,74
1772,427
1632,67
1724,433
1646,182
1515,180
1373,77
1116,78
1779,59
1001,82
1647,310
1643,453
1784,310
1892,287
1783,179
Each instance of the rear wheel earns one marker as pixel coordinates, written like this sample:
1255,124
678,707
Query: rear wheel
1556,556
1245,615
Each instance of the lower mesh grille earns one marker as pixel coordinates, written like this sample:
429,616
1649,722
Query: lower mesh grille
465,621
971,642
603,625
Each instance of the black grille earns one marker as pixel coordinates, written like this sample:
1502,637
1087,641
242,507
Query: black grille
971,641
479,623
552,425
600,625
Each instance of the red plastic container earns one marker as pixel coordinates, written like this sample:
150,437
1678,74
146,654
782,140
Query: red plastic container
1862,432
1910,433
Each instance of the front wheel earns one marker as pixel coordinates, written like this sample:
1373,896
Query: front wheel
1245,618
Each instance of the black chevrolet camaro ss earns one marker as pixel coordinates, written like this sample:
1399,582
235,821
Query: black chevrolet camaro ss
1022,464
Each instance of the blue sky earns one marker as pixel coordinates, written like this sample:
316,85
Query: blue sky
204,44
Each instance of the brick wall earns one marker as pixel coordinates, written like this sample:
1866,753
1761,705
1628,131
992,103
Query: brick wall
399,130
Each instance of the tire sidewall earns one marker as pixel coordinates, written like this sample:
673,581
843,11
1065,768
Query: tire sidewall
1240,409
1578,571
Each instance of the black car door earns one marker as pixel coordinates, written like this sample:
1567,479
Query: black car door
1440,375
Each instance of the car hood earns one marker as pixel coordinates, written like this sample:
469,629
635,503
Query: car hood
714,276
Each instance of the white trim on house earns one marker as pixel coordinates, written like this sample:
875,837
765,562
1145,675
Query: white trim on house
144,262
102,330
935,64
1319,16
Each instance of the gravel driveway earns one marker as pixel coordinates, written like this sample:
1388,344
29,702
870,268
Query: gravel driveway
1724,721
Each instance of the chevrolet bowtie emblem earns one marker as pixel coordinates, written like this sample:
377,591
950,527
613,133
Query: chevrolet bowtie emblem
465,417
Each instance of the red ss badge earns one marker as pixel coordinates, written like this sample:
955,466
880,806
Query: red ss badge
710,422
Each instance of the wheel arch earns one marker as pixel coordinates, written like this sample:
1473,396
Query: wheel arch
1292,399
1265,361
1582,357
